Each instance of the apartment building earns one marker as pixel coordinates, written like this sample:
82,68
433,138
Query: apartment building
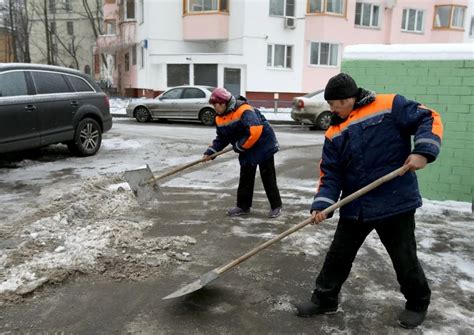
469,31
69,38
264,49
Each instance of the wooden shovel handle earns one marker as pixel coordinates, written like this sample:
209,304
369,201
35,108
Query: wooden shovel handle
188,165
328,210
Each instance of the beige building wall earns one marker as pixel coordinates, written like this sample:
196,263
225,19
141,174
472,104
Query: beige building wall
74,38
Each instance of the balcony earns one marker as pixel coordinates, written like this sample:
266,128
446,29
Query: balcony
125,38
206,26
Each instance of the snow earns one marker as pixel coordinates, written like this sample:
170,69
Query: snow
434,51
87,221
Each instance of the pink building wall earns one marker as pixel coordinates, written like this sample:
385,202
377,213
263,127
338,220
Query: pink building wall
342,31
213,26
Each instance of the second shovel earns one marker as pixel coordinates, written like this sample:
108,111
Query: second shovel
144,184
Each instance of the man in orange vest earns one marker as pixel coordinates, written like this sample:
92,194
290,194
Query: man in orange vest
254,140
370,136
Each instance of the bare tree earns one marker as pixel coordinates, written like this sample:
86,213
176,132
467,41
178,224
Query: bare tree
16,21
95,17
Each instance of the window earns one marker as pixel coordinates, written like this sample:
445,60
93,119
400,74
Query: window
127,61
96,63
70,28
79,84
67,5
323,54
134,55
471,30
412,20
173,94
177,74
141,12
193,93
13,84
282,8
52,6
279,56
205,74
48,82
449,17
367,15
52,27
129,10
336,7
196,6
142,57
110,27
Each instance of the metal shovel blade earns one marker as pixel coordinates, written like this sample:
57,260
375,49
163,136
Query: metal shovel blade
196,285
142,183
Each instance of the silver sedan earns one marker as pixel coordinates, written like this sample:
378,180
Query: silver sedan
182,102
313,109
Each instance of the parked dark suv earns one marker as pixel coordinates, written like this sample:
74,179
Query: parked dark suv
42,104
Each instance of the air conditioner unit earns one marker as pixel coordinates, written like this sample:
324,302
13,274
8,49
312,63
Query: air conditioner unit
290,22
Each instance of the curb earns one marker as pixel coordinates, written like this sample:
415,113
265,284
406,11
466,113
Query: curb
288,122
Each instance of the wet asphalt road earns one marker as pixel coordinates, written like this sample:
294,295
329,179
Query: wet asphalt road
254,298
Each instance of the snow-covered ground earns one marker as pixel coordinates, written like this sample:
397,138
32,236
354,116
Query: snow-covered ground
61,215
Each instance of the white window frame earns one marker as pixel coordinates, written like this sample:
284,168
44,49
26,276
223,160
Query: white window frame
199,8
471,29
453,8
324,8
113,25
285,57
406,17
329,55
125,13
285,9
371,19
141,11
141,62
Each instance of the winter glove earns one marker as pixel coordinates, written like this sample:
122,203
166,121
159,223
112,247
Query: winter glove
237,148
210,151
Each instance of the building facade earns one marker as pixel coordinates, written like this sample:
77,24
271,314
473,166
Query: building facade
69,35
263,49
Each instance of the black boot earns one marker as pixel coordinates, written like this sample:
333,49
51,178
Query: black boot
411,319
307,309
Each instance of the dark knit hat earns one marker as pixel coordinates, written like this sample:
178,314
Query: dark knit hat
341,86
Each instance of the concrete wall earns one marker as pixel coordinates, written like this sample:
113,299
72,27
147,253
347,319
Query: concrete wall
444,85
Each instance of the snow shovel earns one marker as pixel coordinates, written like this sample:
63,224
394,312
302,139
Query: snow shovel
143,182
214,274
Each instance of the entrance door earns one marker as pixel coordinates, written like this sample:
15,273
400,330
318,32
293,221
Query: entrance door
232,80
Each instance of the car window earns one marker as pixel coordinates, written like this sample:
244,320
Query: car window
172,94
193,93
49,82
13,84
79,84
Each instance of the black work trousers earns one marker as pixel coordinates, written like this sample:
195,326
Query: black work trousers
247,182
397,235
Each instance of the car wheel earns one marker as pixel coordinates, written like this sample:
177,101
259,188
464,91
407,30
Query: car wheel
324,120
87,138
142,114
207,117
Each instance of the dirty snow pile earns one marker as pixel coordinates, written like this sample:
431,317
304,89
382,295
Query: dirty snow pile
90,231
